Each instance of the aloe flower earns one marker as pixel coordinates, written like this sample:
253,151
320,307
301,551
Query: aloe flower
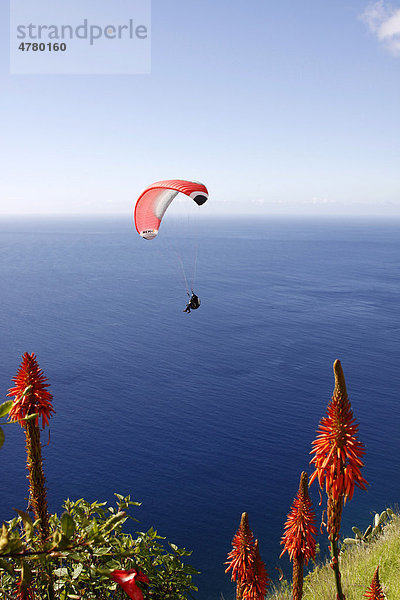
241,557
31,397
337,453
337,460
298,539
245,562
254,587
375,592
127,580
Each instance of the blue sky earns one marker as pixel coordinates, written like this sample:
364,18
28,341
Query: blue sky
278,107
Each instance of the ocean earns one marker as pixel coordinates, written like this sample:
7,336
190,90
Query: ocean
203,416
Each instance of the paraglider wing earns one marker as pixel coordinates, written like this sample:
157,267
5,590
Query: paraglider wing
154,201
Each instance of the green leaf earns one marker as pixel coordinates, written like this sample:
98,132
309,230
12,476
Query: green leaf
113,522
349,541
67,525
77,571
357,532
382,517
4,538
191,570
30,417
27,521
368,531
62,572
1,437
5,408
101,551
111,566
57,537
59,584
6,566
76,556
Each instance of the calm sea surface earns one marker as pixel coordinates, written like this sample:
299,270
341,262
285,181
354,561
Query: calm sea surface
206,415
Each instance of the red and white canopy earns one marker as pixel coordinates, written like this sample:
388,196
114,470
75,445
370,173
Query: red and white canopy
154,201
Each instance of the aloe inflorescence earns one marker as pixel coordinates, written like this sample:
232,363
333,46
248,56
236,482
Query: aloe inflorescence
298,539
337,455
248,570
33,401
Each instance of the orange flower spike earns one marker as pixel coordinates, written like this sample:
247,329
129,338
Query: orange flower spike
31,395
337,452
241,557
256,584
298,539
375,592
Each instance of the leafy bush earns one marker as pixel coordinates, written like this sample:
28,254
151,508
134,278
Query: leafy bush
87,543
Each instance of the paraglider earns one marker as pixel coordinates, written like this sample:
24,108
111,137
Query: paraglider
194,302
150,209
154,201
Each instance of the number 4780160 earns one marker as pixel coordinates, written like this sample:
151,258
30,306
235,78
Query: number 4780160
42,47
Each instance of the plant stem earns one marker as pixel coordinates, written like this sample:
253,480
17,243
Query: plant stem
37,481
335,567
37,489
298,577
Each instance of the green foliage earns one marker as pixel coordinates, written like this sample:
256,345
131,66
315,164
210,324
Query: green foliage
357,566
5,408
380,520
86,543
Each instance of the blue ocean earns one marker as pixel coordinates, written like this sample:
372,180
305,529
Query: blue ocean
203,416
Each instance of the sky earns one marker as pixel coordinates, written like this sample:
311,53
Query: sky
278,107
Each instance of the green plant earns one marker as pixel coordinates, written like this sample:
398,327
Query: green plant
298,539
85,545
84,553
337,455
372,531
244,560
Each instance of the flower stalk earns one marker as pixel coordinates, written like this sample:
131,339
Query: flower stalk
33,401
337,455
244,560
298,539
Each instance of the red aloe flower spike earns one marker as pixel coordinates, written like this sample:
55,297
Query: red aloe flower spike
375,592
337,450
127,580
298,539
337,459
300,526
241,558
255,586
31,395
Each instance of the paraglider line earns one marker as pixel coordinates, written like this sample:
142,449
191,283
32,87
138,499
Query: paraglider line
184,274
195,266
